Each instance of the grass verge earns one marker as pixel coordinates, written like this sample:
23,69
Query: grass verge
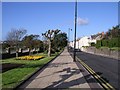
13,77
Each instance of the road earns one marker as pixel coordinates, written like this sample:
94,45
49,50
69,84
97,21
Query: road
107,68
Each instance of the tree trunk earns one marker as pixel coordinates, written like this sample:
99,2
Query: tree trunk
29,50
21,50
16,52
49,49
8,50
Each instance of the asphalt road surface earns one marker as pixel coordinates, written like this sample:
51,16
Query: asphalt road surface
107,68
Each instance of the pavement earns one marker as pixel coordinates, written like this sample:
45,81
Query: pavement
62,73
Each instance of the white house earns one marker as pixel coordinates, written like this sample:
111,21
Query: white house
84,41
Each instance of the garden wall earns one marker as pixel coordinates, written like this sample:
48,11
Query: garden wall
7,55
103,52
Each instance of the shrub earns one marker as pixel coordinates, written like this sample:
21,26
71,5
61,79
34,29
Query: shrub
92,44
114,42
98,44
45,52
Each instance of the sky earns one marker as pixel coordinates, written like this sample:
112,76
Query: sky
38,17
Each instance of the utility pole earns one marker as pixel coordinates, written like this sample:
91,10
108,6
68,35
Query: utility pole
75,31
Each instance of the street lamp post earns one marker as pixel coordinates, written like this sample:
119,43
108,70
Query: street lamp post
75,31
69,37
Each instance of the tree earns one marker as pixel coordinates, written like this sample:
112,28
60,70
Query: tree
111,38
5,45
113,33
60,41
32,41
50,34
14,37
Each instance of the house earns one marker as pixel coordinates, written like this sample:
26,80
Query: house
98,36
86,41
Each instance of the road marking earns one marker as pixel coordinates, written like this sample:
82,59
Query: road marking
105,84
95,76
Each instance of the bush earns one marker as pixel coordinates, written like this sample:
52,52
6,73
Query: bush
104,43
114,42
52,51
92,44
46,51
98,44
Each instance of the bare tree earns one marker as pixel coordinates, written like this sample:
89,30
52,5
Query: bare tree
50,34
14,37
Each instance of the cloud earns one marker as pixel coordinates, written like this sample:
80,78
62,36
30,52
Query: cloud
81,21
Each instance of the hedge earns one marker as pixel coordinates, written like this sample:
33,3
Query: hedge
114,42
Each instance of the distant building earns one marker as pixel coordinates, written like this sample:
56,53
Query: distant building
98,36
71,44
86,41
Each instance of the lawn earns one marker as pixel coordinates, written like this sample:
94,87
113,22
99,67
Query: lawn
13,77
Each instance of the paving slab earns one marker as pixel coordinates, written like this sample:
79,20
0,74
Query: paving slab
60,73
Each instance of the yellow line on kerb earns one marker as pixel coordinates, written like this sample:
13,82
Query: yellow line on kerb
102,81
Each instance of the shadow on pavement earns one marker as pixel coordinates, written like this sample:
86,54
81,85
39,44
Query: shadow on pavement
70,72
57,64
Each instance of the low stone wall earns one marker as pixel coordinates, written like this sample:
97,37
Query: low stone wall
7,55
103,52
22,52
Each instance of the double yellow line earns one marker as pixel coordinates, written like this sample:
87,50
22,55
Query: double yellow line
105,84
